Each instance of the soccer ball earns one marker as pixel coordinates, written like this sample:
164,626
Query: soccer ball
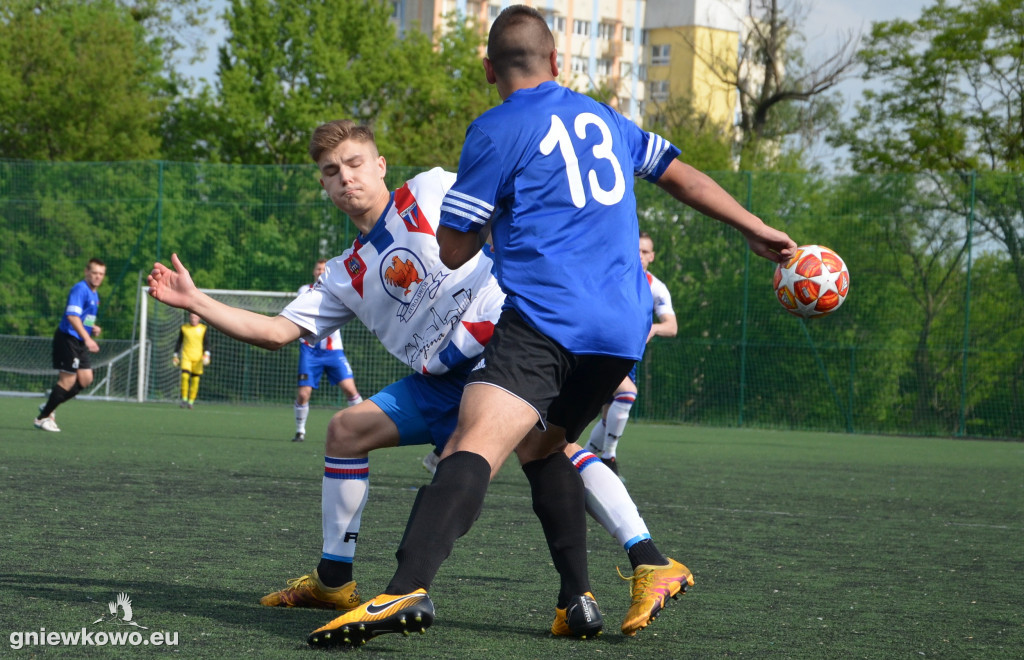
813,283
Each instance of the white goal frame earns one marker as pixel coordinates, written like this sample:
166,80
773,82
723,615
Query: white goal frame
144,344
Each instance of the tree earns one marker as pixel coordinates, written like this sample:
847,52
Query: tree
427,114
781,94
175,25
704,143
950,99
292,64
78,81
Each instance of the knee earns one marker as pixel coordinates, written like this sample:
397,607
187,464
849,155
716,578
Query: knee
625,398
342,440
85,378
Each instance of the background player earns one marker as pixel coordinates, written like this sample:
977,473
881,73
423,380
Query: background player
73,341
191,353
328,355
604,437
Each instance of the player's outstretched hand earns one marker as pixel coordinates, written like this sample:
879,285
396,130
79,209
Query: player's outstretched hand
171,287
772,244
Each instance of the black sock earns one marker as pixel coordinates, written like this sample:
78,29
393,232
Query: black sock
558,501
645,552
444,510
334,573
58,395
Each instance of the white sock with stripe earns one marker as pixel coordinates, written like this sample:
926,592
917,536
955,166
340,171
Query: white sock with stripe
346,486
608,501
596,442
618,415
301,414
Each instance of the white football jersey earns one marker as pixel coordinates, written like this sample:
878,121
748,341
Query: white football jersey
392,280
662,298
331,342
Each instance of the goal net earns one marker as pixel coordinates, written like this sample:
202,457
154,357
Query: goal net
240,373
26,368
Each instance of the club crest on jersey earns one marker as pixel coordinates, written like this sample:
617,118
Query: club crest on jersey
409,210
354,265
406,279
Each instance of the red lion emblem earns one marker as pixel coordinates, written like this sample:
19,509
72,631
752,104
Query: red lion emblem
402,274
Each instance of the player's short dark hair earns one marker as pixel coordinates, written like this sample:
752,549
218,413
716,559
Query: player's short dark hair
644,234
330,135
520,42
95,261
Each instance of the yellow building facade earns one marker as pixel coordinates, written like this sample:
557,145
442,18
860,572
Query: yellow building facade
686,41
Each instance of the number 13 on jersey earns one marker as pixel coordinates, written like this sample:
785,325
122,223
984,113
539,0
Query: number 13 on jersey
558,135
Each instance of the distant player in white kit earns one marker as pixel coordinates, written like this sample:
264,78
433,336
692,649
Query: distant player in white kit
604,437
326,355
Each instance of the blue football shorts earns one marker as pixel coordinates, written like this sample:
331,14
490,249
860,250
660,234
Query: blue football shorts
313,362
424,408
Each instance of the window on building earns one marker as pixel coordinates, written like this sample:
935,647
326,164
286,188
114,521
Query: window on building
560,61
624,105
493,10
659,90
579,64
660,54
605,31
604,67
643,37
641,72
627,34
581,28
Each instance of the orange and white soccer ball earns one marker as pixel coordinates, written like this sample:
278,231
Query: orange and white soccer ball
814,283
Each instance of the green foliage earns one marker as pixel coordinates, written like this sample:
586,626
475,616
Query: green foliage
949,96
78,81
425,118
292,64
949,99
704,144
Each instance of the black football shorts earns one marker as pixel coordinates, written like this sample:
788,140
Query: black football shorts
565,389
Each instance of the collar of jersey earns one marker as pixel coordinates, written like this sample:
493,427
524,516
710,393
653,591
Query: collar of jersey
543,87
379,236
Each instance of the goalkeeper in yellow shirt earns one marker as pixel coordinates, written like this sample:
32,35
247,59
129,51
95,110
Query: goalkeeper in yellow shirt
191,353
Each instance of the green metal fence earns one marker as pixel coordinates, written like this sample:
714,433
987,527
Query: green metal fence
930,341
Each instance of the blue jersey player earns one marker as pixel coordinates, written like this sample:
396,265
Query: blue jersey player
548,175
73,342
393,281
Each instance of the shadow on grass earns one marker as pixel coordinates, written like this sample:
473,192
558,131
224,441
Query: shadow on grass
229,607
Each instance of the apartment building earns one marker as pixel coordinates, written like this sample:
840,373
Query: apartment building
686,41
637,54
